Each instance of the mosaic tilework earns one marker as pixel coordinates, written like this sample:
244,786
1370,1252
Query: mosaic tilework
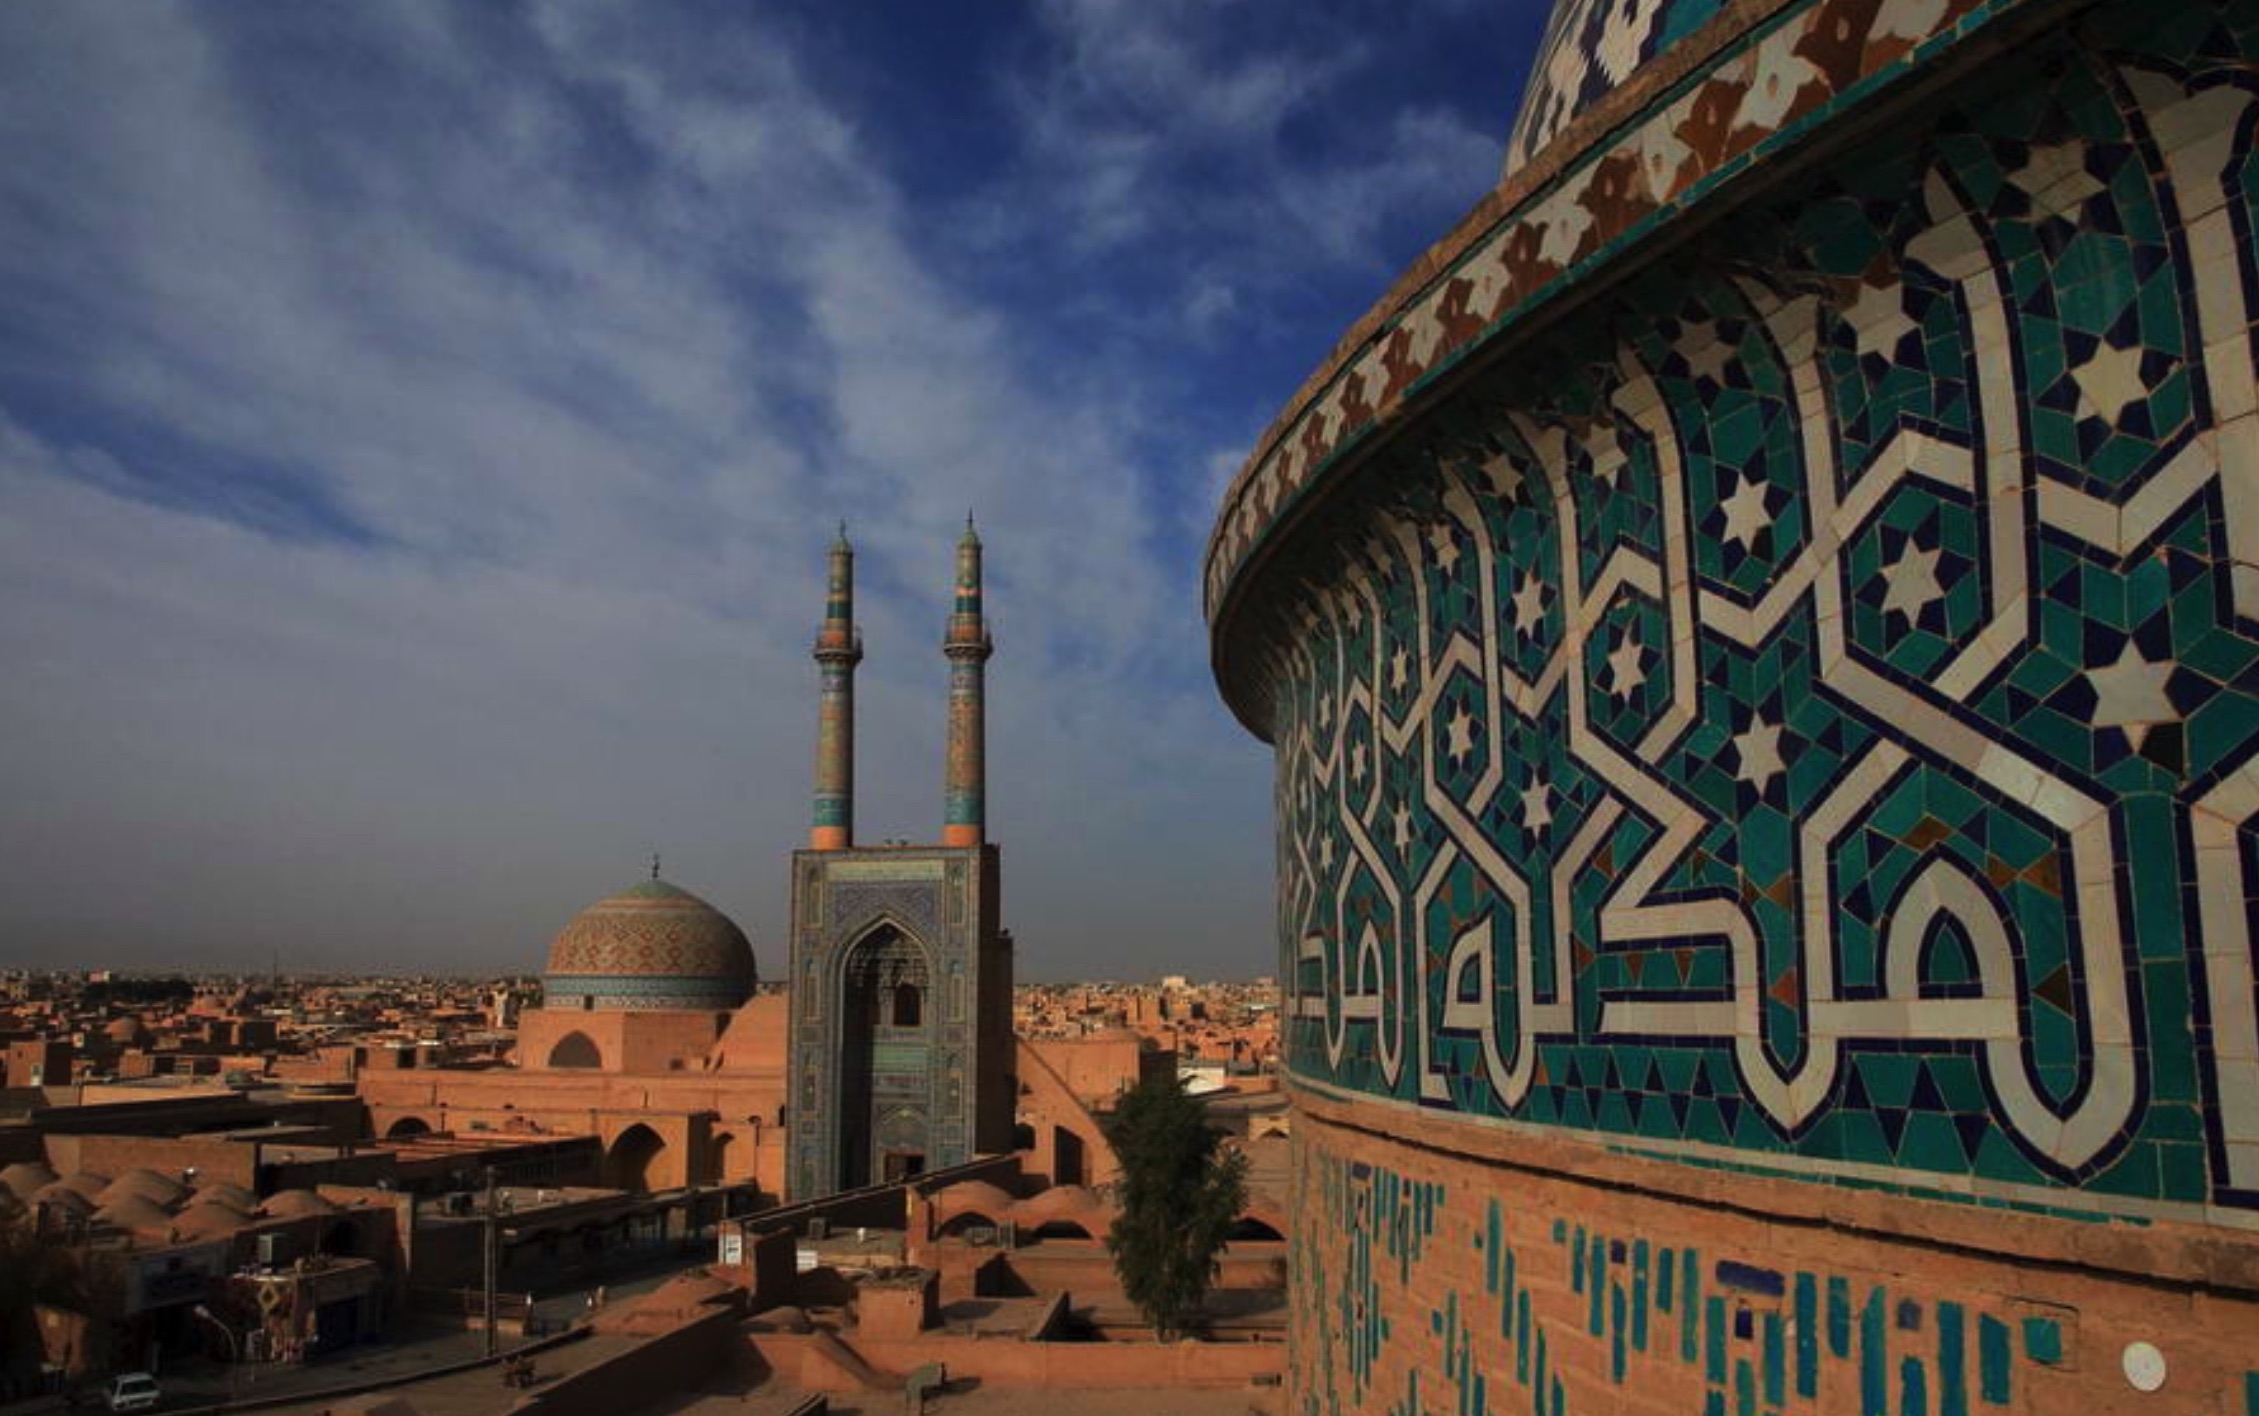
653,945
1590,47
1809,718
1385,1328
1803,67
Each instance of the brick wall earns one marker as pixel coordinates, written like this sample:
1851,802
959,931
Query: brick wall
1557,1276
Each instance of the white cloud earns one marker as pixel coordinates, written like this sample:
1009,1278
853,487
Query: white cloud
592,355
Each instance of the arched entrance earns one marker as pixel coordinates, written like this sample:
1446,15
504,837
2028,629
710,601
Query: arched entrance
575,1049
628,1164
406,1127
886,1054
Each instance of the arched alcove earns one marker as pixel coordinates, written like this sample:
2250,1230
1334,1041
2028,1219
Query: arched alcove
575,1049
628,1163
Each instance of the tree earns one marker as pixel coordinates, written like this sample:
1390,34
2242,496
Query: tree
1181,1190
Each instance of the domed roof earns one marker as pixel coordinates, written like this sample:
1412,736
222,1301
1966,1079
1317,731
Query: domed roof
158,1189
226,1192
296,1204
1590,47
135,1212
27,1177
206,1218
653,945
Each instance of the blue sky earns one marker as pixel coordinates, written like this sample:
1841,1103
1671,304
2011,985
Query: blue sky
421,425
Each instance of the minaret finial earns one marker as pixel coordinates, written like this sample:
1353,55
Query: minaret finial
654,865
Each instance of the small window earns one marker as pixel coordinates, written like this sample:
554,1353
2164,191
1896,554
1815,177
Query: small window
906,1005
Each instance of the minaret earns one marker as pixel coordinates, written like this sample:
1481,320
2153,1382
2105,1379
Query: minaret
964,814
839,648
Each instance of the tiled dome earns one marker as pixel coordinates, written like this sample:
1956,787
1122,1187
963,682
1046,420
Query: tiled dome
1591,47
654,945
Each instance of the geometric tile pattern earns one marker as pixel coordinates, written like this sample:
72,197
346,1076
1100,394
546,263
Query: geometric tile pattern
1809,719
1796,70
1590,47
653,945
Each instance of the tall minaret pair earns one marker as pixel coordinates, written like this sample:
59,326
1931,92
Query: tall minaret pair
839,648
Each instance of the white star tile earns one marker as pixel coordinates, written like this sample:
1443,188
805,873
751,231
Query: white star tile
1745,514
1462,734
1757,749
1912,583
2054,176
1878,319
2108,381
2131,694
1446,548
1625,673
1529,606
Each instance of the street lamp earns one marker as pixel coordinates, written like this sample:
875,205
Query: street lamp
234,1348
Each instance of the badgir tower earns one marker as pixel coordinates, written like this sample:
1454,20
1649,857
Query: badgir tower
1759,631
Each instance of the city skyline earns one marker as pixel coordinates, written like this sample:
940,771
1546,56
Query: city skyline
420,430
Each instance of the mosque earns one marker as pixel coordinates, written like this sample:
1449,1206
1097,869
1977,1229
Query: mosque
1759,630
890,1052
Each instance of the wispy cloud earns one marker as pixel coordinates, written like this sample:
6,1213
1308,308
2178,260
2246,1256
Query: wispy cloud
419,427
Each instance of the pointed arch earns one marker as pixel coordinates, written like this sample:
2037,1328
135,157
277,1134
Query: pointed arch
576,1049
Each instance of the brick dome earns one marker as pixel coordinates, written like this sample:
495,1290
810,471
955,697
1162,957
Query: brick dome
654,945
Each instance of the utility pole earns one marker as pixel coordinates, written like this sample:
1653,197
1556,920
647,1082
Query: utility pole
492,1252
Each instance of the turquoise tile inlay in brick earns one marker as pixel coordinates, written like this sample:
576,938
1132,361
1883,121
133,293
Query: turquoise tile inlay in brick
1807,1336
1994,1360
1952,1373
2043,1341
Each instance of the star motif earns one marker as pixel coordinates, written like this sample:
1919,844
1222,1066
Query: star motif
1446,548
1325,713
1529,606
1537,807
2130,694
1325,854
2108,381
1402,818
1462,734
1758,750
1624,672
1706,351
1607,453
1878,319
1399,669
2054,176
1357,763
1745,514
1912,582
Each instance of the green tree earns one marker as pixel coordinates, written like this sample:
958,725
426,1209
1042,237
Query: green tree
1181,1190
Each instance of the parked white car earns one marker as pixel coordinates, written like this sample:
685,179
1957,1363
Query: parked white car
133,1391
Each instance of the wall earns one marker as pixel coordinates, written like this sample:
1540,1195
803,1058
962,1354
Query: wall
1568,1280
675,1361
1790,729
1009,1362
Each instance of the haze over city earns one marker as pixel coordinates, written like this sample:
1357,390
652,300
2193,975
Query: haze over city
420,427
